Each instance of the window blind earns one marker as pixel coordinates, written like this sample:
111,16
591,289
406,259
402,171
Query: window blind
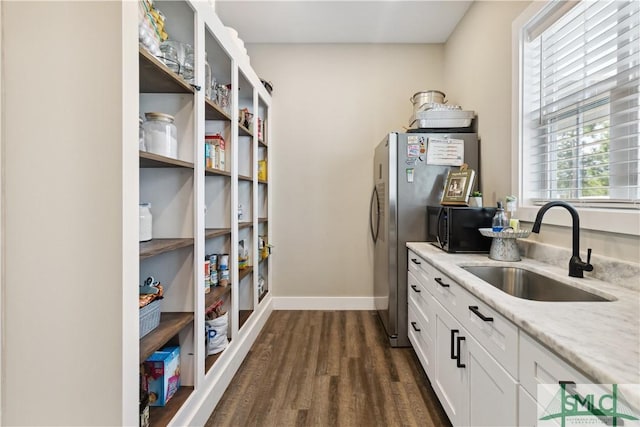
582,105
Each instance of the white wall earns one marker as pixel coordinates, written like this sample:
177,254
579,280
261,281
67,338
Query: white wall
62,165
477,70
332,105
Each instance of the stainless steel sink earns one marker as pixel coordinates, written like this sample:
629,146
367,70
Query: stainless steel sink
526,284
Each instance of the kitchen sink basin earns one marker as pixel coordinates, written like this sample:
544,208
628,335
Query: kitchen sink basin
526,284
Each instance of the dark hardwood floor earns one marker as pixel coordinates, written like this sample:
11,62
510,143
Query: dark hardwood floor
328,368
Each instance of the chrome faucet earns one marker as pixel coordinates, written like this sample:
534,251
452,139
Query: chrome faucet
576,265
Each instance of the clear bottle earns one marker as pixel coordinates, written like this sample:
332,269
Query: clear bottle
500,220
146,222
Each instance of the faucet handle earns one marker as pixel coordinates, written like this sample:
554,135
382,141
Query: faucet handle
588,266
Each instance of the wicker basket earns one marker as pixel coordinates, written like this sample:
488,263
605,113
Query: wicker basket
149,317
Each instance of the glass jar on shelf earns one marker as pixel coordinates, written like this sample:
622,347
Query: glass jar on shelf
188,63
207,77
160,134
146,222
171,54
141,144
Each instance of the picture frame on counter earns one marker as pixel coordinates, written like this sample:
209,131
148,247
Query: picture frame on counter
458,187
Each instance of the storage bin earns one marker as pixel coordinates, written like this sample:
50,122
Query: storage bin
149,317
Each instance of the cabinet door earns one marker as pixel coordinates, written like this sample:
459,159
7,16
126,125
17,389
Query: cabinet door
449,380
492,391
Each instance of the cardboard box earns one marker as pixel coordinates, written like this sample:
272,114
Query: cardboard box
162,375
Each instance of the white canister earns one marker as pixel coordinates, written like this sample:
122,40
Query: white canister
160,135
146,222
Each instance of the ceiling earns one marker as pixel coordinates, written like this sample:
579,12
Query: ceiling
324,21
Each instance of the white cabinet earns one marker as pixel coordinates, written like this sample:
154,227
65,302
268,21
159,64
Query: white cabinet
450,377
473,387
421,323
472,384
482,367
492,391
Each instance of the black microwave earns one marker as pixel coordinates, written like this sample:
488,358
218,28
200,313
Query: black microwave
455,229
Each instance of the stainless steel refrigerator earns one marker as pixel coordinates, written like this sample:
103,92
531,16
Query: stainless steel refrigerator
407,178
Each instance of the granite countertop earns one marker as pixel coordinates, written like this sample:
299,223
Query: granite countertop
600,339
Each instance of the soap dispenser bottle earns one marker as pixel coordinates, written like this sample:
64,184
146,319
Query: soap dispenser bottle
499,219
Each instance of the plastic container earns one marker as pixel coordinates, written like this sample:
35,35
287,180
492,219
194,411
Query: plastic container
146,222
160,134
443,118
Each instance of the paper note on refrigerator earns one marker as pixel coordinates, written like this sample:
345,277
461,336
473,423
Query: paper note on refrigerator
449,152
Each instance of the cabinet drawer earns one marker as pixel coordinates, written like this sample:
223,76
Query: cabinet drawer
497,334
448,293
419,267
418,294
539,365
420,338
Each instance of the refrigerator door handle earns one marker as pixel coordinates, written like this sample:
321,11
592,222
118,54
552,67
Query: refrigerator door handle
374,196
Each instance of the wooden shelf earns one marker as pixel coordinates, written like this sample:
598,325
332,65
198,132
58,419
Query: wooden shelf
216,172
262,143
156,77
264,294
243,316
263,219
262,181
245,178
215,294
210,360
162,415
213,112
242,225
210,233
244,272
158,246
170,325
243,131
151,160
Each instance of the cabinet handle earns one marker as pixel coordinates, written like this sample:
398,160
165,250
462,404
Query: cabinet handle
453,337
441,283
414,327
569,386
415,261
475,310
458,363
415,288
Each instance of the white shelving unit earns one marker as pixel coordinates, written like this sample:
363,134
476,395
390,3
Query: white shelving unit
202,204
87,226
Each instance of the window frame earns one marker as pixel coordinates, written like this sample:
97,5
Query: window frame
593,218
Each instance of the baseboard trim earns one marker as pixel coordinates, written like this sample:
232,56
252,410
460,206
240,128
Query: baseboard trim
323,303
216,382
